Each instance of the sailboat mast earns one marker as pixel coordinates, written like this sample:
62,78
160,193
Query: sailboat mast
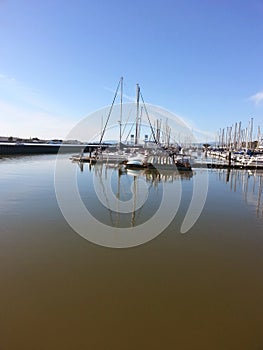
152,130
235,138
121,109
108,117
251,133
259,140
239,143
137,114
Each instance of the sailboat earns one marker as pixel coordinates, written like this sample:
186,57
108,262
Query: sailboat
135,154
124,153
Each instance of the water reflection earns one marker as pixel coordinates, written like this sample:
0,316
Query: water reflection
194,291
249,183
108,189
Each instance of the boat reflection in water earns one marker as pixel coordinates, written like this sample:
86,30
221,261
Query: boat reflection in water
167,175
110,186
247,182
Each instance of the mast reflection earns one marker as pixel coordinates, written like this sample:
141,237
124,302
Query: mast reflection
119,185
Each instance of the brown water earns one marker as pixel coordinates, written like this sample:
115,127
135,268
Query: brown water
200,290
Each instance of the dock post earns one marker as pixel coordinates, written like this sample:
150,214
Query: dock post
229,159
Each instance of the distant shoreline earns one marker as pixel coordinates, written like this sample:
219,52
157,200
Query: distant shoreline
20,148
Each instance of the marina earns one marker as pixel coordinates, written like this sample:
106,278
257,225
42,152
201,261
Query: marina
227,160
131,175
189,217
160,149
234,148
238,147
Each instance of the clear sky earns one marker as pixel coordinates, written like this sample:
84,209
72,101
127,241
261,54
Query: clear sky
60,60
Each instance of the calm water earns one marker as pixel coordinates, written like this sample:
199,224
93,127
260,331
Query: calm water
198,290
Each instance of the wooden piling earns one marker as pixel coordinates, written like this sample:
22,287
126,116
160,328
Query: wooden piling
229,159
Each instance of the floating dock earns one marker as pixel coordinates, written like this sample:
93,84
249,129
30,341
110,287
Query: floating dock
227,166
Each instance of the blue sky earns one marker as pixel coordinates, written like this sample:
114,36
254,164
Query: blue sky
61,60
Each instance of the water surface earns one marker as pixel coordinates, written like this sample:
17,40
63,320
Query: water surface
199,290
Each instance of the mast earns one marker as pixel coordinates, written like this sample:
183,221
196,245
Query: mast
259,140
137,114
157,131
246,138
251,133
223,138
227,136
140,122
235,138
121,82
230,137
152,130
239,144
109,114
